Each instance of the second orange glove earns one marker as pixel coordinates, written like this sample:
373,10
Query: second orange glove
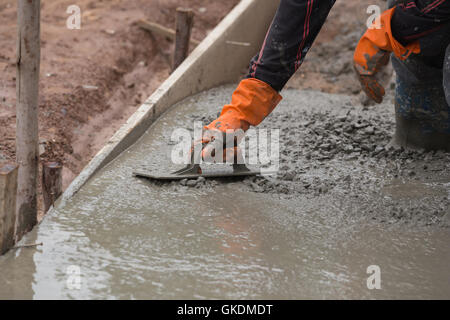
373,51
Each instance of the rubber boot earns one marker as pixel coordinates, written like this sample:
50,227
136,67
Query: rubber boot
421,109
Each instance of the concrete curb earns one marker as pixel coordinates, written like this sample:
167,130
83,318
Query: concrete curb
220,58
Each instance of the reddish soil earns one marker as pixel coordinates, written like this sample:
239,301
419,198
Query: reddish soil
328,65
120,64
93,79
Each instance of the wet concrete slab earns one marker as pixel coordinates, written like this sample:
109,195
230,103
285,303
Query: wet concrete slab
265,238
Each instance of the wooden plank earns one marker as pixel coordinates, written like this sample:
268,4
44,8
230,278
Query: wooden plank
184,24
8,192
51,183
27,152
162,31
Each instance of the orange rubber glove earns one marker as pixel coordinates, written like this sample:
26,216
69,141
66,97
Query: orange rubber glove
373,51
251,103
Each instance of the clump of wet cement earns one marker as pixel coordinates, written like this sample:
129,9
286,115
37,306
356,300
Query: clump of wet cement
342,152
350,157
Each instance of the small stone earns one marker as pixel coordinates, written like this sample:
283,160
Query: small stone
191,183
289,176
89,87
256,188
352,156
183,182
201,179
370,130
378,149
290,143
348,128
348,149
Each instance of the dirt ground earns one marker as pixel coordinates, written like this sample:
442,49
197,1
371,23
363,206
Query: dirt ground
328,65
93,79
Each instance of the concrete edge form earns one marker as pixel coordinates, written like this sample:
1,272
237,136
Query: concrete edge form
220,58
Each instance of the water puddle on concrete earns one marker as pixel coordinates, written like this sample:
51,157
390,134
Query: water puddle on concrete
126,238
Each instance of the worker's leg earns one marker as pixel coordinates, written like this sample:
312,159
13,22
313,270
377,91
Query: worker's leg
421,109
291,35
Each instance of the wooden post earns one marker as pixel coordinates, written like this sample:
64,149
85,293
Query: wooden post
8,192
51,183
184,23
27,86
162,31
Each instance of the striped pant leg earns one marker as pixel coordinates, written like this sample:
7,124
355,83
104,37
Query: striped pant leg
293,30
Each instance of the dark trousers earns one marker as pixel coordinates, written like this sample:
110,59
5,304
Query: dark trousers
297,23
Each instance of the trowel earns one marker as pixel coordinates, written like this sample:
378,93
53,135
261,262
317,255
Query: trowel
194,170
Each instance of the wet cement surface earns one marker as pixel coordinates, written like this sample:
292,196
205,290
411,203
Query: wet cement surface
311,231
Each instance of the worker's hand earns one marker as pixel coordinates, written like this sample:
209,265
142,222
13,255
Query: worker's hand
251,103
368,77
218,147
372,54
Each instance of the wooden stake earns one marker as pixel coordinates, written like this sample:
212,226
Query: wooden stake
51,183
162,31
28,64
184,23
8,192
